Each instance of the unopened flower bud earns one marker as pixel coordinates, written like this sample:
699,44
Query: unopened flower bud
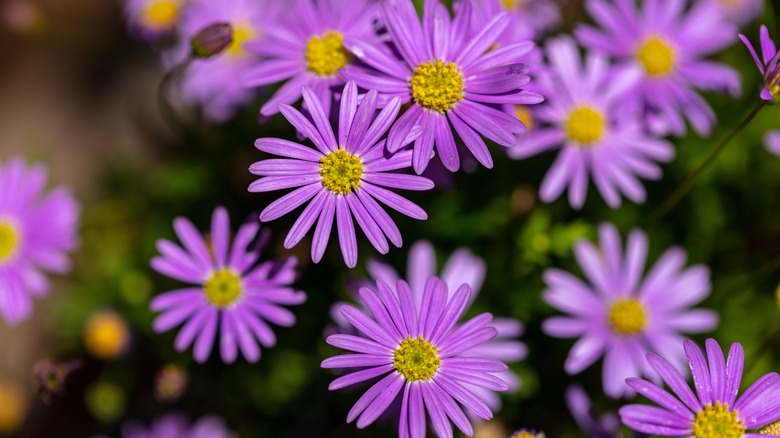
212,40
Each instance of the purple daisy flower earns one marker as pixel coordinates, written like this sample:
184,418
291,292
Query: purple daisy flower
152,20
620,314
528,19
451,78
768,65
740,12
37,231
345,176
716,412
230,294
215,82
594,426
423,357
177,426
305,49
462,267
772,142
668,42
596,123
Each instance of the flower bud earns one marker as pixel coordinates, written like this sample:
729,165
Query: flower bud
212,40
171,382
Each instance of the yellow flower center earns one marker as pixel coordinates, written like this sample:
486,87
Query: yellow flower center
161,14
585,125
242,33
13,408
437,85
106,335
627,316
656,56
9,241
416,358
513,5
341,172
223,288
770,429
325,55
523,433
716,421
524,114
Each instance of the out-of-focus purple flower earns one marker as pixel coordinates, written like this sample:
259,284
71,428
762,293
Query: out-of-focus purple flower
152,20
305,49
344,175
592,115
621,315
215,82
768,64
594,426
740,12
528,19
177,426
461,268
230,294
772,142
451,78
424,358
668,42
526,433
714,411
37,231
50,378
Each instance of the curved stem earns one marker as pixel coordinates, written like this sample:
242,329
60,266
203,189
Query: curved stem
163,93
683,189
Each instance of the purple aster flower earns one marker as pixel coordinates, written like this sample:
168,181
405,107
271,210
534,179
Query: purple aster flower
177,426
152,20
622,315
772,142
421,355
37,231
345,176
714,411
528,19
451,78
594,426
740,12
461,268
768,64
215,82
305,49
229,294
668,42
596,123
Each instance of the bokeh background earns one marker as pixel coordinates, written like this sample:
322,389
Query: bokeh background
78,94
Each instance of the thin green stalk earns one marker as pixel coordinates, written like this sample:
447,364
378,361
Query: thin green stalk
163,94
683,189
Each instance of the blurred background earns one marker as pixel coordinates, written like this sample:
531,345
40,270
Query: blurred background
78,94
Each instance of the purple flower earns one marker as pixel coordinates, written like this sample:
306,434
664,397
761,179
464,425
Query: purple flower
230,293
305,49
528,19
740,12
597,125
215,82
152,20
461,268
772,142
421,355
768,64
594,426
345,176
451,78
716,412
37,231
622,315
668,42
177,426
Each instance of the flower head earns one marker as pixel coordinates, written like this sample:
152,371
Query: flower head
176,425
622,315
342,176
153,20
714,411
450,77
106,335
740,12
421,355
37,231
528,19
307,49
768,64
668,42
596,123
229,294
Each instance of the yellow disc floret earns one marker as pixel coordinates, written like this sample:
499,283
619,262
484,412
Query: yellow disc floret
161,14
9,241
716,421
770,429
524,115
106,335
326,54
341,172
437,85
416,359
514,5
585,125
656,56
242,33
223,288
627,316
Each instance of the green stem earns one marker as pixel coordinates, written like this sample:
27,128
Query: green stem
163,94
683,189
